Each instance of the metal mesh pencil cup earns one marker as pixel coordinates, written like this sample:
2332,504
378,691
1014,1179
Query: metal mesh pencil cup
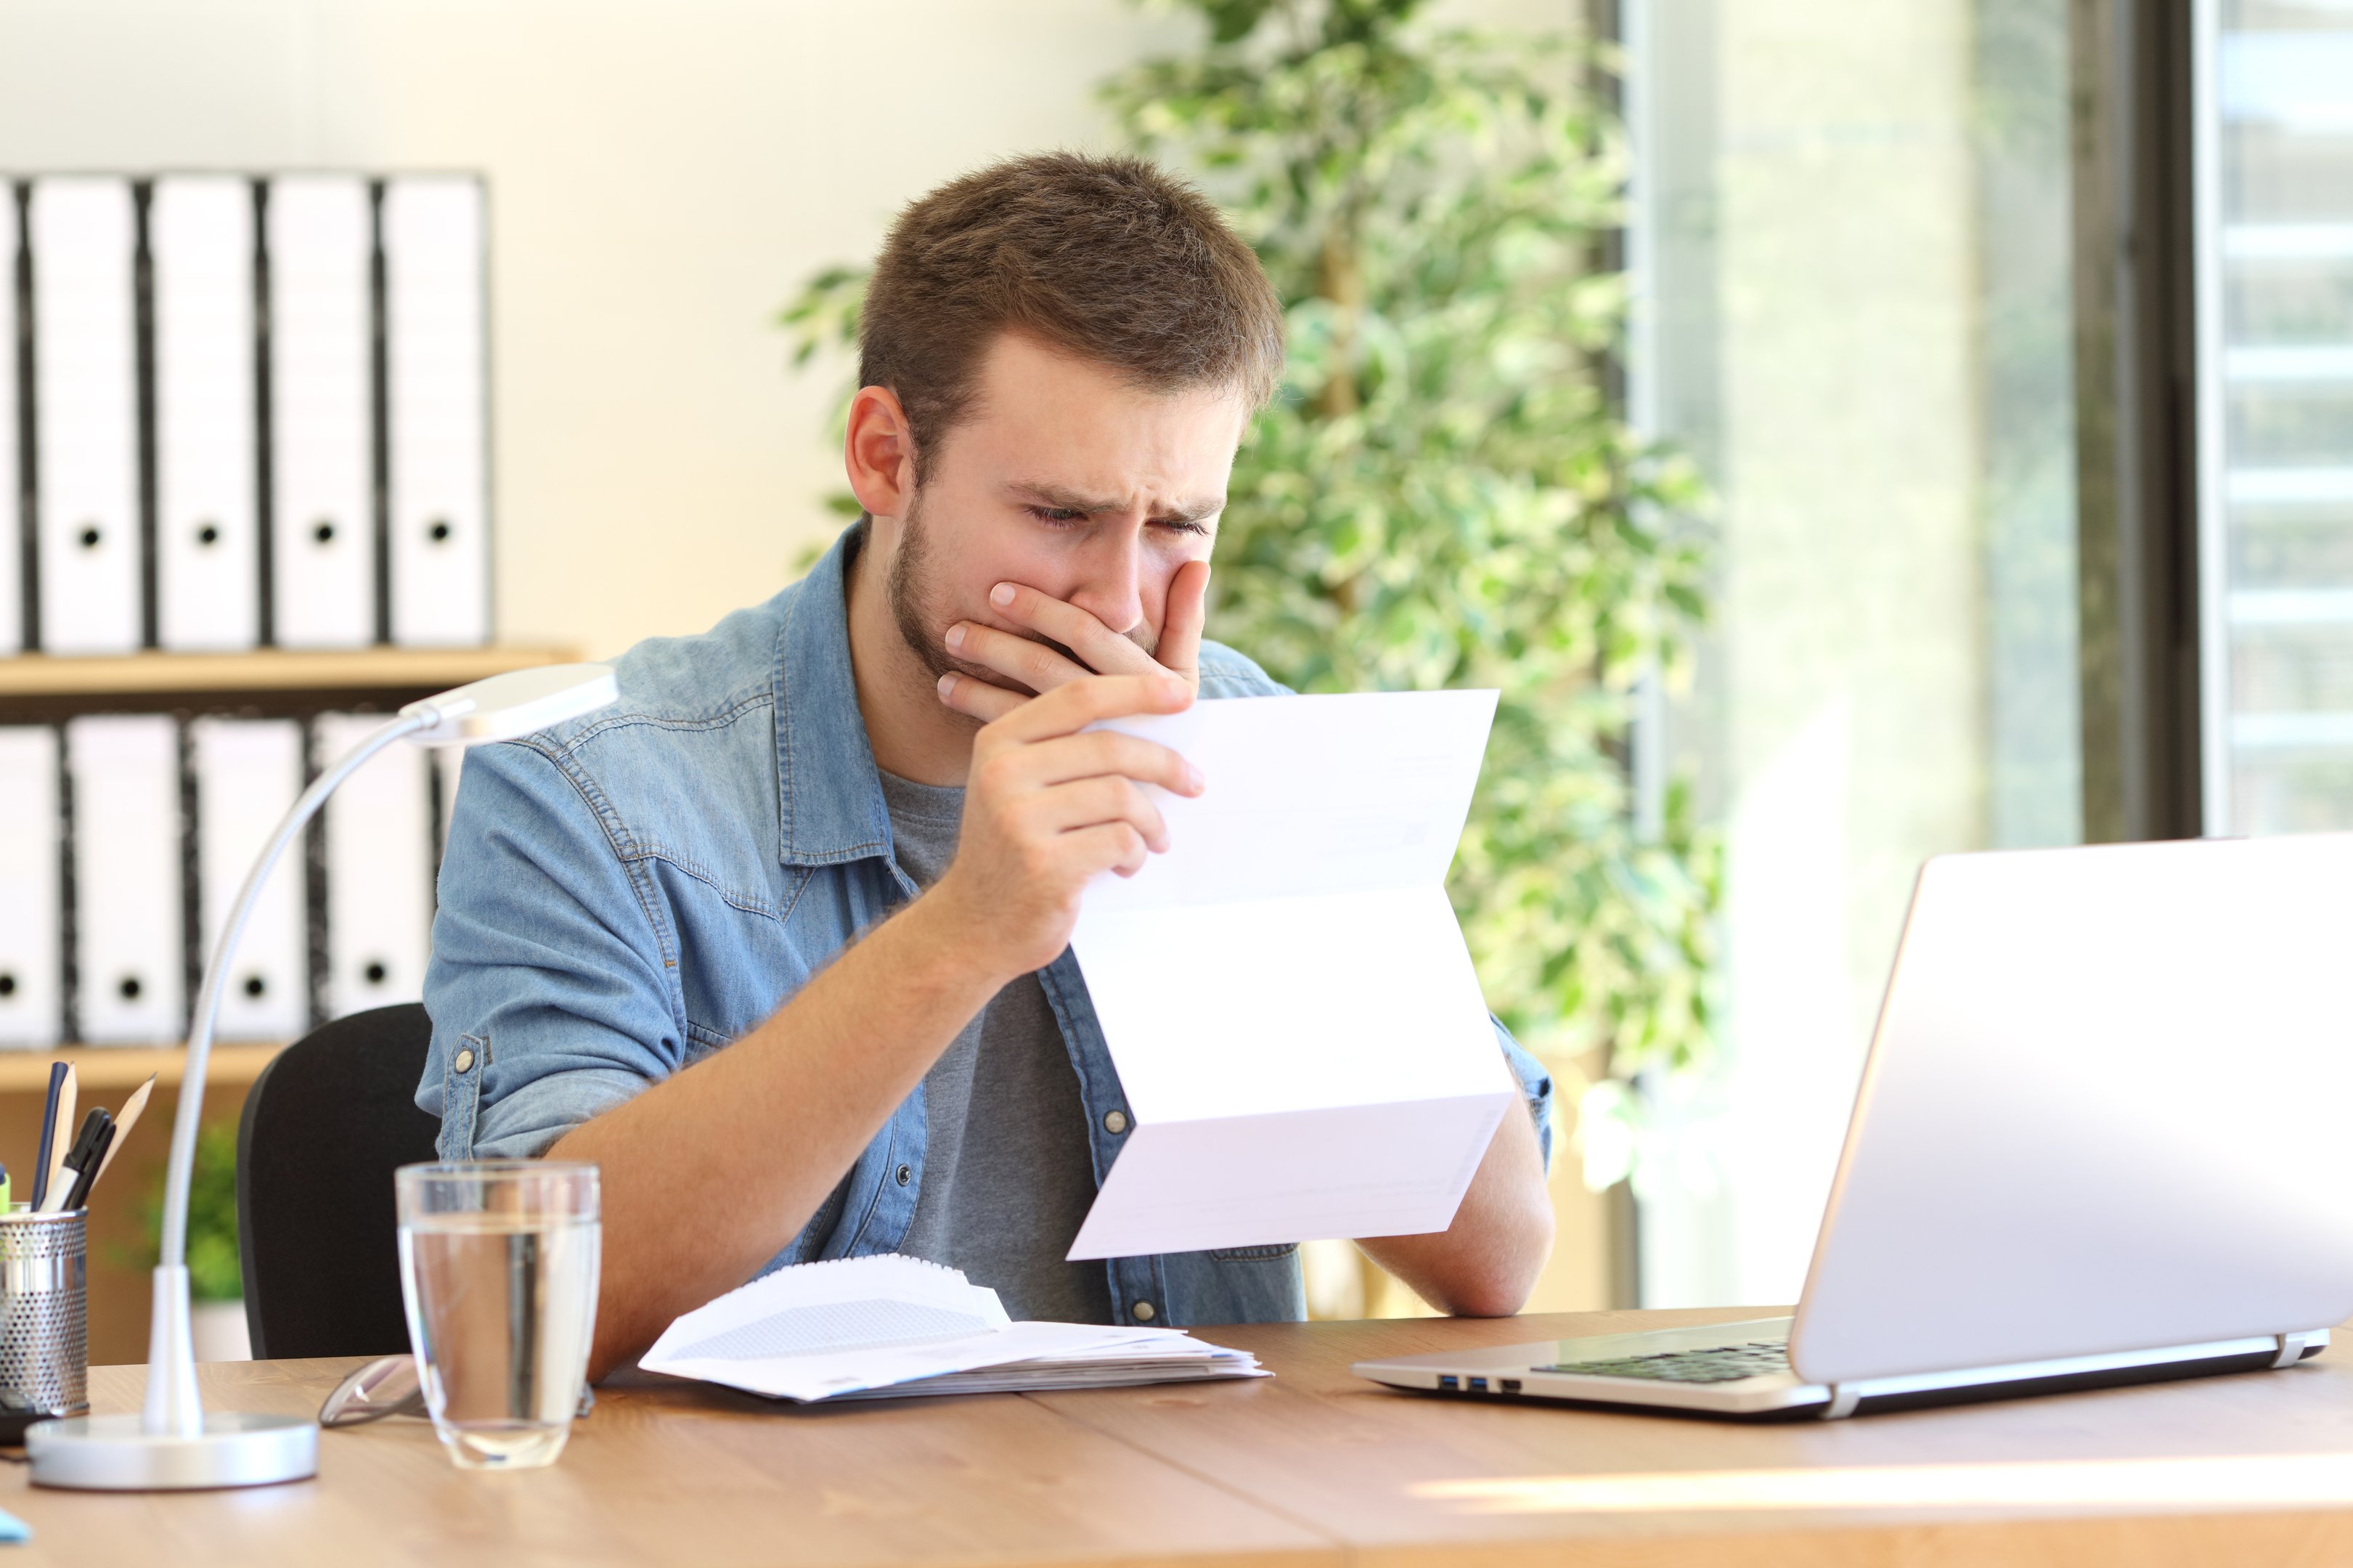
45,1312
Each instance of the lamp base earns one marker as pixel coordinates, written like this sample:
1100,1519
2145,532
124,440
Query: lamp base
113,1454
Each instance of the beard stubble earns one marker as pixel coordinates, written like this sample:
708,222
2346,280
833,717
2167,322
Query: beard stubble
923,615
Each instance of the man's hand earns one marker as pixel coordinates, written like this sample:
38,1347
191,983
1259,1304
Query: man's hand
1046,807
1042,668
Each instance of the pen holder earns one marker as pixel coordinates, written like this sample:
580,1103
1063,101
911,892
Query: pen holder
44,1318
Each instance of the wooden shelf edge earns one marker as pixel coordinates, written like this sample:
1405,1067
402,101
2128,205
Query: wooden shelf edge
265,669
128,1066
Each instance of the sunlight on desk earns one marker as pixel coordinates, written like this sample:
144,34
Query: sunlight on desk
2239,1479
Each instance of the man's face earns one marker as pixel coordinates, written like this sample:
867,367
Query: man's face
1063,478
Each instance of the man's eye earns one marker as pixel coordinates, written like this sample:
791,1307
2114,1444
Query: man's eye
1056,513
1181,525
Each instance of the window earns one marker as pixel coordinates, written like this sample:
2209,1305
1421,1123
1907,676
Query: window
2272,171
1852,249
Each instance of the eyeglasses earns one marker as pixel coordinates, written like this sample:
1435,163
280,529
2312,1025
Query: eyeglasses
388,1385
385,1386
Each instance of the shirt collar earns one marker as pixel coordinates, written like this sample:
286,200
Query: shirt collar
829,793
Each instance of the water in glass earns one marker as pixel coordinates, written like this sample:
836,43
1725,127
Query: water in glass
500,1281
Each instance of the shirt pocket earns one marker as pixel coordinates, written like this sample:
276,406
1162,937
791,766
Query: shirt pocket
1254,1253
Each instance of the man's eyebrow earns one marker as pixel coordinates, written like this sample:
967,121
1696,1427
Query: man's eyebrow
1061,499
1192,511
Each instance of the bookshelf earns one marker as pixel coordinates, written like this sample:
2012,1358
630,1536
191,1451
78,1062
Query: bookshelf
41,688
111,1068
264,682
297,679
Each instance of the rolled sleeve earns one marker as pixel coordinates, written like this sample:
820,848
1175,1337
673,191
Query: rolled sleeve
1535,1085
550,987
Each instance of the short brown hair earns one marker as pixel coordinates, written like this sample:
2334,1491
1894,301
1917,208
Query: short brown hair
1107,258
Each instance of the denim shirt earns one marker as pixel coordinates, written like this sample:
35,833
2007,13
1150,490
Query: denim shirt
627,893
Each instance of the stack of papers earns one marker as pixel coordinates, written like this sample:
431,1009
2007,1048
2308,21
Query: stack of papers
887,1327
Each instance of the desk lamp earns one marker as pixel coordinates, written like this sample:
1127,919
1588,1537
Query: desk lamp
175,1444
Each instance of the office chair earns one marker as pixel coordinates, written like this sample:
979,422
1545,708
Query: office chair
325,1127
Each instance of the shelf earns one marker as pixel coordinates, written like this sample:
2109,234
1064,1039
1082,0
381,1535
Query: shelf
127,1066
265,670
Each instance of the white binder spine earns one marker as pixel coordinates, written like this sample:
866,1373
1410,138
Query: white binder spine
320,234
32,966
436,410
129,953
12,472
201,245
247,773
380,869
84,235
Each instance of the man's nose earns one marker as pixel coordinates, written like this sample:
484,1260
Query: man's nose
1110,585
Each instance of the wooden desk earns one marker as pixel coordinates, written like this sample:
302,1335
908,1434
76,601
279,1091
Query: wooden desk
1311,1467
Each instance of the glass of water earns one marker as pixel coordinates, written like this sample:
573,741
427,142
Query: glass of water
498,1266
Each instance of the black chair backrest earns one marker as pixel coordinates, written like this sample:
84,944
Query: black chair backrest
325,1126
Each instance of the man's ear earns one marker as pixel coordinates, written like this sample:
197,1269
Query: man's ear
879,452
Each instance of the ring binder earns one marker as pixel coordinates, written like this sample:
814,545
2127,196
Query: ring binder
86,414
200,237
12,408
323,553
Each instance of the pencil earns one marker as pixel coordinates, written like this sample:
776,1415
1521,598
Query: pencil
124,1119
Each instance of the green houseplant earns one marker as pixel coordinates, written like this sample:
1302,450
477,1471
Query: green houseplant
216,1272
1443,494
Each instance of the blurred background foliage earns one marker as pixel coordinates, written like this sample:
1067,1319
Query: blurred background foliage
1443,494
215,1270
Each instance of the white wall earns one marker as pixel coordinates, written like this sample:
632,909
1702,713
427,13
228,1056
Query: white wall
662,176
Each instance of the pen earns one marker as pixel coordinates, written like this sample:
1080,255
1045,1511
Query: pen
57,1071
61,1143
79,1166
124,1120
91,1160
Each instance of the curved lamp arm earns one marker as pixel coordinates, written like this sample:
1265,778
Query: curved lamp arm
173,1407
173,1444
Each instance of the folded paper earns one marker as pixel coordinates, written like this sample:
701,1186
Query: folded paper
1299,1033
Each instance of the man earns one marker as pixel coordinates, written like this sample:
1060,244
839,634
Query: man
781,942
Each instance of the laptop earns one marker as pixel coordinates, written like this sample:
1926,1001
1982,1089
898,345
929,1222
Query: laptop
2100,1138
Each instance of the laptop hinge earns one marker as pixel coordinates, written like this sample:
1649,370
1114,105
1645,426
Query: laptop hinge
2291,1349
1844,1397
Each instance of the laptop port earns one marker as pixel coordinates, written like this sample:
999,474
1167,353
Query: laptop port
1448,1380
1509,1384
1477,1386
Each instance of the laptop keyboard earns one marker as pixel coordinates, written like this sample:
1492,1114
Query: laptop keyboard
1716,1363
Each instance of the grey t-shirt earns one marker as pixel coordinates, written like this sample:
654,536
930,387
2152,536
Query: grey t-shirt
1006,1173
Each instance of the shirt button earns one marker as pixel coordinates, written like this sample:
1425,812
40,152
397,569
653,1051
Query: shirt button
465,1062
906,1174
1114,1121
1143,1312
